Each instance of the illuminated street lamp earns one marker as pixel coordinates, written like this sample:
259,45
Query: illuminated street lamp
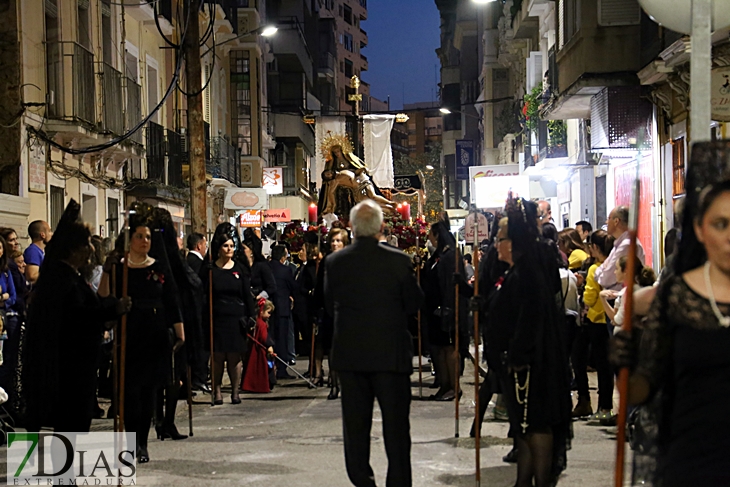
445,111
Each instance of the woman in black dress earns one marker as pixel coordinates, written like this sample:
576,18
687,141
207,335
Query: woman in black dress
232,305
155,312
263,284
438,285
681,371
63,339
524,333
338,239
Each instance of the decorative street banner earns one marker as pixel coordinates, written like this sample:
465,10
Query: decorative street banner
246,199
250,219
274,216
464,158
378,153
407,184
273,180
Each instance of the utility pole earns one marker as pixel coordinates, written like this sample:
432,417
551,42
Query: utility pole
196,127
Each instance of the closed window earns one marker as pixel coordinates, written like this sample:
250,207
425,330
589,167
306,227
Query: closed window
56,205
349,44
348,15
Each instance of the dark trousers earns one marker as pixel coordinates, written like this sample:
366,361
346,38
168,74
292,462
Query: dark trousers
281,340
593,337
393,391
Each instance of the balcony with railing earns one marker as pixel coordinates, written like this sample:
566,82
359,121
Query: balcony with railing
133,114
112,96
225,161
71,83
227,11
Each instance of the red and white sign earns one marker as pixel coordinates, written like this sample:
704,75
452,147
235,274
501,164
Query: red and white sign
250,219
273,180
494,171
281,215
482,228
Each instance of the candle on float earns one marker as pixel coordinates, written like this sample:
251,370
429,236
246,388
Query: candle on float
407,211
313,213
399,209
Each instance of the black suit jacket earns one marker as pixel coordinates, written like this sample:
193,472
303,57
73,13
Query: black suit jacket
286,287
194,262
370,289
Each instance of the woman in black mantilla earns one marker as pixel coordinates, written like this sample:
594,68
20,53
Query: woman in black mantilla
524,331
681,371
63,338
233,305
263,283
155,311
438,285
165,248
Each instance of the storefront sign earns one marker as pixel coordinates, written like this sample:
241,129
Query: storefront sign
250,219
721,94
274,216
246,199
273,180
464,158
490,184
482,228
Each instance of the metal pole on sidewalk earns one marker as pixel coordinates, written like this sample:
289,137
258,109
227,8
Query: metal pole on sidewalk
477,421
456,341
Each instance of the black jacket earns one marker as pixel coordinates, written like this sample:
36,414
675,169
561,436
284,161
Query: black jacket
370,289
194,262
286,288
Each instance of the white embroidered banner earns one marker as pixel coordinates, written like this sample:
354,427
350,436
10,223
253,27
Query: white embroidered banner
378,154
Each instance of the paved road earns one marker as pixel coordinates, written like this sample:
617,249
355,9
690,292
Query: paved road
293,437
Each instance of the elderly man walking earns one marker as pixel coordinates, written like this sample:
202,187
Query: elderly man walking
370,289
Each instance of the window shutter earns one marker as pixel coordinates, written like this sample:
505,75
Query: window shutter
51,9
84,4
534,70
618,12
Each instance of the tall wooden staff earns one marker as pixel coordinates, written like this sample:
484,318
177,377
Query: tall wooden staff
210,316
420,351
456,341
314,326
190,402
123,330
623,375
477,422
115,356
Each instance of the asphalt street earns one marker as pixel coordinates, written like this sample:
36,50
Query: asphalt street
293,436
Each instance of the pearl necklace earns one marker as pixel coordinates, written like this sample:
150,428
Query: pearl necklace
147,258
724,320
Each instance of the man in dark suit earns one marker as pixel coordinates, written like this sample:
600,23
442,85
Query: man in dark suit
286,288
197,246
370,289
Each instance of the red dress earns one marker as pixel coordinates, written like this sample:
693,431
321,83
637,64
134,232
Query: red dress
256,377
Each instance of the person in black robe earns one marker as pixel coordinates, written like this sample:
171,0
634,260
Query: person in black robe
64,333
154,323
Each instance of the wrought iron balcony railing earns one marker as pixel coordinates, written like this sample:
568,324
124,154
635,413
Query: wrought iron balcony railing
71,82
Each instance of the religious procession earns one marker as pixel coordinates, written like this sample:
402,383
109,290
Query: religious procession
235,250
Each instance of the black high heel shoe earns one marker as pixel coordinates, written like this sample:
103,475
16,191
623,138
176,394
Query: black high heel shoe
334,393
235,400
142,455
319,382
170,432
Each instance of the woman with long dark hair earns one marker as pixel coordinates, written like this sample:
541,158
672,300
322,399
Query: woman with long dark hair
63,338
680,372
263,283
593,335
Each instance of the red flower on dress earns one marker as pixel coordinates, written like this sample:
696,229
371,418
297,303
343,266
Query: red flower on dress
499,283
235,274
156,276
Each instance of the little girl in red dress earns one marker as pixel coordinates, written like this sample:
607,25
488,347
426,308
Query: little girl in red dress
256,377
